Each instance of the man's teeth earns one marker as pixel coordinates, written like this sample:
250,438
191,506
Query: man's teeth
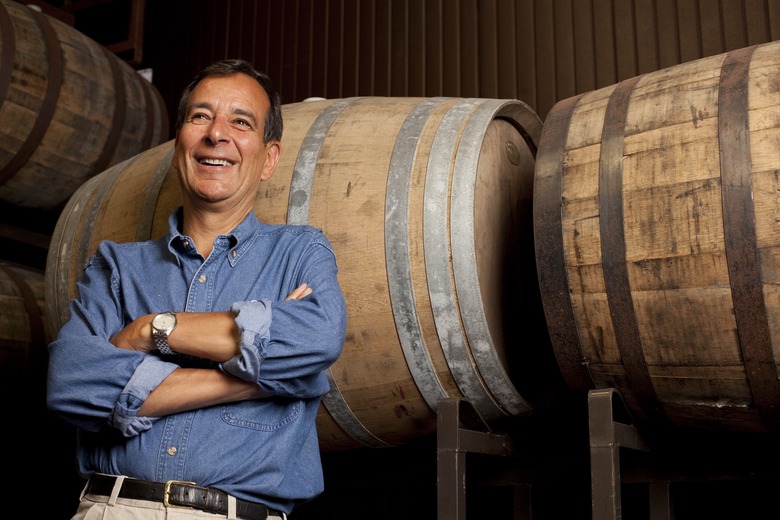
216,162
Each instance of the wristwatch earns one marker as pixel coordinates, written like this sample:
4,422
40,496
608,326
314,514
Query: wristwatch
162,326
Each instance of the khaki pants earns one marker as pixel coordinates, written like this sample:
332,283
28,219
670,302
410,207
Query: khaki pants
99,507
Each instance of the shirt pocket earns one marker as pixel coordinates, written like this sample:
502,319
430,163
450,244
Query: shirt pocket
261,415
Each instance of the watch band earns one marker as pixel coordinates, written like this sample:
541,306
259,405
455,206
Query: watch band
161,342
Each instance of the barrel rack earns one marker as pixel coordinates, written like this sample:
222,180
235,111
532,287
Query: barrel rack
648,461
461,430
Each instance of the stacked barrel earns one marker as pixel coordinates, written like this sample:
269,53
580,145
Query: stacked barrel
627,242
69,109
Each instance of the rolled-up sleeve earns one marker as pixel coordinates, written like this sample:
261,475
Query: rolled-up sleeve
147,377
91,383
286,345
253,319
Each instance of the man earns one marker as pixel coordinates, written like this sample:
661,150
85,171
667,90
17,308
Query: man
211,406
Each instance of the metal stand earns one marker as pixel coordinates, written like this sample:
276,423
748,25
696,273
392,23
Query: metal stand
682,458
607,437
461,430
681,461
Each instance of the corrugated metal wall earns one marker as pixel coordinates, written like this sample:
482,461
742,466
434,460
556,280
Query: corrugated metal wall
538,51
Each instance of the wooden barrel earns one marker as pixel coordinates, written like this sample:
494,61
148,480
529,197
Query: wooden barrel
69,109
24,337
656,211
427,202
24,329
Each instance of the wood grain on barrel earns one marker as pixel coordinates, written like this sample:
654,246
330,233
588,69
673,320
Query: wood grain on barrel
70,107
695,150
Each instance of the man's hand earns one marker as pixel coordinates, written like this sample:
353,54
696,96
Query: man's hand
137,335
299,292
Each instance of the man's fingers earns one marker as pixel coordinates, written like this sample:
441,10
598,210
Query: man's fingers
299,292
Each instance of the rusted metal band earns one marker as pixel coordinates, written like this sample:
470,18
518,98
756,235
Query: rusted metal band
54,80
613,251
741,244
118,120
548,242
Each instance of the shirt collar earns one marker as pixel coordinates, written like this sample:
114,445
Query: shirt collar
240,237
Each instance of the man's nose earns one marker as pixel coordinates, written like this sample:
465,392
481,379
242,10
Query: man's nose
218,130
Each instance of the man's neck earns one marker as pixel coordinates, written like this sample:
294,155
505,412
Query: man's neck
204,226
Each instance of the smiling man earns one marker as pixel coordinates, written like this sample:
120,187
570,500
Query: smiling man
193,365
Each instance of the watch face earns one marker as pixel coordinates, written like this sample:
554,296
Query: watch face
164,321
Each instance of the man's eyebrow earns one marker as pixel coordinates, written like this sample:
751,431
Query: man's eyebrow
247,114
237,111
202,104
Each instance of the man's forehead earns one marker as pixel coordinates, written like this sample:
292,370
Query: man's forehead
237,91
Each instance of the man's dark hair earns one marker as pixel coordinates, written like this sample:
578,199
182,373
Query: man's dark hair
273,119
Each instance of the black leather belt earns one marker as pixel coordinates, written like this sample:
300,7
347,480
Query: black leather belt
176,493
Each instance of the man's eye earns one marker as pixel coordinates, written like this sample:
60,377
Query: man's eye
199,118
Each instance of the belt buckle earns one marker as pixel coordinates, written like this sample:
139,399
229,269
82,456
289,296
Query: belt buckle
167,492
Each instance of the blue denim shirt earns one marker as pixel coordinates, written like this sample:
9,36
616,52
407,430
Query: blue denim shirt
263,450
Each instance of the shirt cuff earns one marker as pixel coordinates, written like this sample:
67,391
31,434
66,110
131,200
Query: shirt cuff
148,376
253,319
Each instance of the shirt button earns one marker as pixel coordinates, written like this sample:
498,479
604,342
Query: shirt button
202,278
233,254
186,244
172,451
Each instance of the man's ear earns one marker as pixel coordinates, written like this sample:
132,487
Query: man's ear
273,151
